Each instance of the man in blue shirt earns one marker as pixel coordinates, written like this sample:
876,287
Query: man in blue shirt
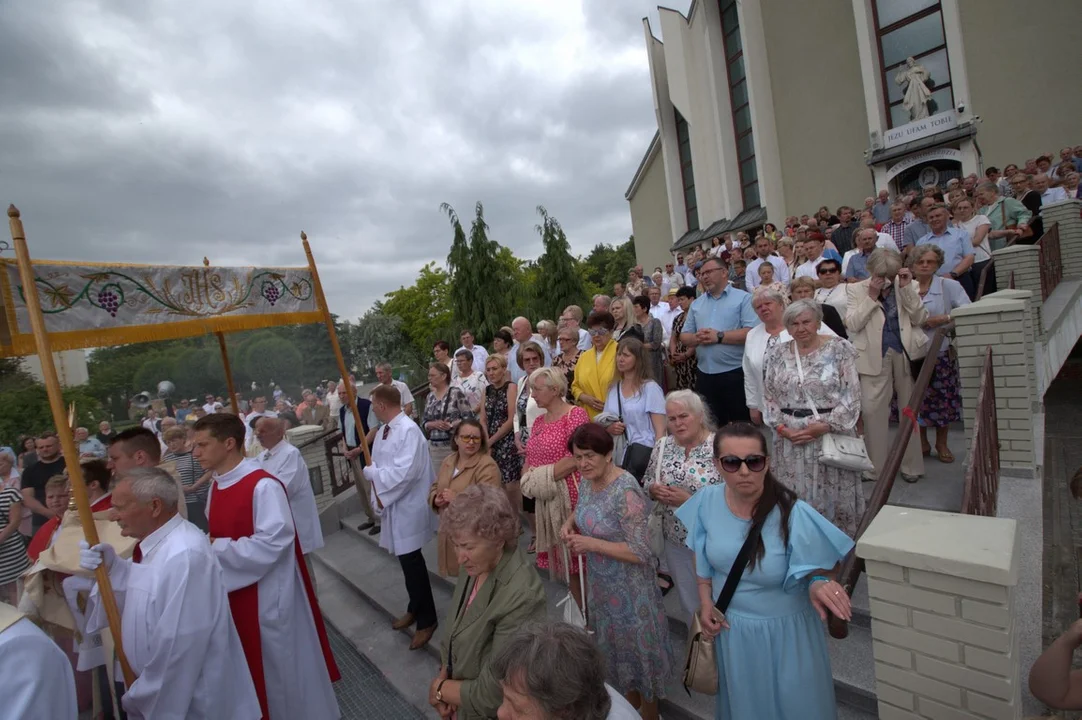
955,244
716,325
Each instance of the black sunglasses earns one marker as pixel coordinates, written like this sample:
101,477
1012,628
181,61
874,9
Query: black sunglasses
732,463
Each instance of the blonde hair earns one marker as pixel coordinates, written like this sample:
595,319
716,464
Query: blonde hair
554,378
501,362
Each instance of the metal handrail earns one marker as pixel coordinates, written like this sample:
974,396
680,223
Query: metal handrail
852,566
1050,260
982,476
991,268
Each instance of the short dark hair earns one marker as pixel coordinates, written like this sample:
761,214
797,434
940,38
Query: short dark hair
222,427
96,471
463,331
685,291
991,171
828,261
591,436
387,394
602,319
473,423
139,438
503,335
442,345
642,301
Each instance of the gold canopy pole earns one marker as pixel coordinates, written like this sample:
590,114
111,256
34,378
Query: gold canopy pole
63,430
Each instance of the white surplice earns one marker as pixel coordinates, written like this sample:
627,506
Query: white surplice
284,461
36,682
401,475
177,630
297,680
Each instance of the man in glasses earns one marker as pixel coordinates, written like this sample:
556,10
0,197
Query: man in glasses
716,325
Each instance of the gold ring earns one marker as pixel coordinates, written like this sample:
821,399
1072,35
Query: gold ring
837,593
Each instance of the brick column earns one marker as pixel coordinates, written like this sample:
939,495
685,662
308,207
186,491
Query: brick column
315,457
1069,216
1024,262
1004,321
941,589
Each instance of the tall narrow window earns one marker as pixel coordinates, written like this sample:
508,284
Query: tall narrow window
738,96
912,29
687,175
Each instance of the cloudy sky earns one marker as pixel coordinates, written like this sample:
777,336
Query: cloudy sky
164,131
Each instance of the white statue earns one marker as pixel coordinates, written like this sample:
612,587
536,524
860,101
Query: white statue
917,95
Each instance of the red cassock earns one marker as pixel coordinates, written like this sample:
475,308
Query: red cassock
232,516
43,537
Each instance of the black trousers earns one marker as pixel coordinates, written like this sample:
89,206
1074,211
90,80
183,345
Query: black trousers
419,589
724,395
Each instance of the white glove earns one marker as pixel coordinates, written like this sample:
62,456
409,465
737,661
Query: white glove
91,557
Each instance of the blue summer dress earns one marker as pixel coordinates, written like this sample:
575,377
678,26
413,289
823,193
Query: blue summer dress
772,661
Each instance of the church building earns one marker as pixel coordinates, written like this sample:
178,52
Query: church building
769,108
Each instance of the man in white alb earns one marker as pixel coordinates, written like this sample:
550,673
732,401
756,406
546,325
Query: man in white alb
176,626
36,680
282,460
273,604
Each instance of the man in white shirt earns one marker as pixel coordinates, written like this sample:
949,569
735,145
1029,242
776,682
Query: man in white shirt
480,355
208,404
522,331
669,314
383,374
813,247
670,278
656,306
764,252
282,460
1049,195
36,680
270,594
401,475
176,625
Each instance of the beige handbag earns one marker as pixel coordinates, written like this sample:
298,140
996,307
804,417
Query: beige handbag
700,662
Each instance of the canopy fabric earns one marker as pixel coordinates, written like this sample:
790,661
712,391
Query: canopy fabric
99,304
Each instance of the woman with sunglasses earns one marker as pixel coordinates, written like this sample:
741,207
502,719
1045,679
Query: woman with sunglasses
811,387
831,290
468,464
774,640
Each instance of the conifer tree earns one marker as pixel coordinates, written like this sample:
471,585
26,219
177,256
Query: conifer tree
559,281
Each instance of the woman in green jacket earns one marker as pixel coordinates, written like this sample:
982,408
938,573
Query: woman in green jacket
498,590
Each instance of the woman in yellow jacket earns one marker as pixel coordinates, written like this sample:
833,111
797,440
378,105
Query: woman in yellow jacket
596,366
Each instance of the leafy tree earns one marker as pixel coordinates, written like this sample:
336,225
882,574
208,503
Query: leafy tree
152,372
274,359
425,308
27,412
559,283
481,297
380,337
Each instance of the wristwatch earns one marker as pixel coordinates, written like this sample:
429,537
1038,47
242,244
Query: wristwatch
439,690
953,275
721,336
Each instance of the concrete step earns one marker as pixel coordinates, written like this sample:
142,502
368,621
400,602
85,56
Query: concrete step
355,558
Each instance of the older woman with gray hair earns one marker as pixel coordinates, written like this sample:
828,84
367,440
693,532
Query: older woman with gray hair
554,671
811,388
884,316
497,591
681,464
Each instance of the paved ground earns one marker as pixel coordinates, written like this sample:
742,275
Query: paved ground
363,692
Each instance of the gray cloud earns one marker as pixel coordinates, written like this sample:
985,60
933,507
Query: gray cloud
162,132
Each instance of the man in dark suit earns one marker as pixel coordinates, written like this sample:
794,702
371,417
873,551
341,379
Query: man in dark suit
355,455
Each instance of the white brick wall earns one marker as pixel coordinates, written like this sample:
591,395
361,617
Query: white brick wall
315,457
941,590
1069,216
1024,262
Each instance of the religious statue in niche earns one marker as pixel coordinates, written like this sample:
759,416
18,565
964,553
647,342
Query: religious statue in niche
914,79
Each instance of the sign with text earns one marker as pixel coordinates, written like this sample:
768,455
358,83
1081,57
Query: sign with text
921,158
919,129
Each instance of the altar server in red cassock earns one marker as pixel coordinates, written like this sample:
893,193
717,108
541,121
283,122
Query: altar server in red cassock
270,594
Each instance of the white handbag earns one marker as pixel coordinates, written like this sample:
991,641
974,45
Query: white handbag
845,452
655,532
573,616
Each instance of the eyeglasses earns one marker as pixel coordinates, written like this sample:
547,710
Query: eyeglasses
469,438
732,463
568,339
598,331
828,271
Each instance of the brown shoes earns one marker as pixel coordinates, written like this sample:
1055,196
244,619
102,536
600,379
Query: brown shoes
403,622
421,637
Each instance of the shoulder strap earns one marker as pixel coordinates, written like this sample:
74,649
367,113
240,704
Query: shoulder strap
737,570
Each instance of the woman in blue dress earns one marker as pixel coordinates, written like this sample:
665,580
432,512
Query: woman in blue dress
771,645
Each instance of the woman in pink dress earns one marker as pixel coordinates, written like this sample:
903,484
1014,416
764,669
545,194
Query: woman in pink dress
547,445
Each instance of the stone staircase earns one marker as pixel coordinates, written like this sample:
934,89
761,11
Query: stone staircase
361,589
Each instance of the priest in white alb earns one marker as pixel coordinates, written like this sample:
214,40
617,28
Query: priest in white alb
401,475
177,631
36,682
284,461
274,606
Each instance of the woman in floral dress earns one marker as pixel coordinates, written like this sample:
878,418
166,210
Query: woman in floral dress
624,606
683,360
568,357
498,422
832,387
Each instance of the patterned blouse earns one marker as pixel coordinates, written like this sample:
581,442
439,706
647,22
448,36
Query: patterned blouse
688,470
453,407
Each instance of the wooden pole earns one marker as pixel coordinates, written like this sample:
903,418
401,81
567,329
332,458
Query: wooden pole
63,430
321,299
225,365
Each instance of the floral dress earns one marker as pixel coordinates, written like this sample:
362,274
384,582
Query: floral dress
472,387
830,381
687,470
568,366
685,371
503,451
548,445
623,601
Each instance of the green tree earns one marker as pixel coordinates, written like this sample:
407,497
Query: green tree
379,337
480,295
27,412
425,309
559,282
152,372
274,359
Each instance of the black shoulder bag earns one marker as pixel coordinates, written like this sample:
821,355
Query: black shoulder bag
636,455
700,663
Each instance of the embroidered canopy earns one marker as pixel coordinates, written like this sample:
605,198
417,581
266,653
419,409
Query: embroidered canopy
92,304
